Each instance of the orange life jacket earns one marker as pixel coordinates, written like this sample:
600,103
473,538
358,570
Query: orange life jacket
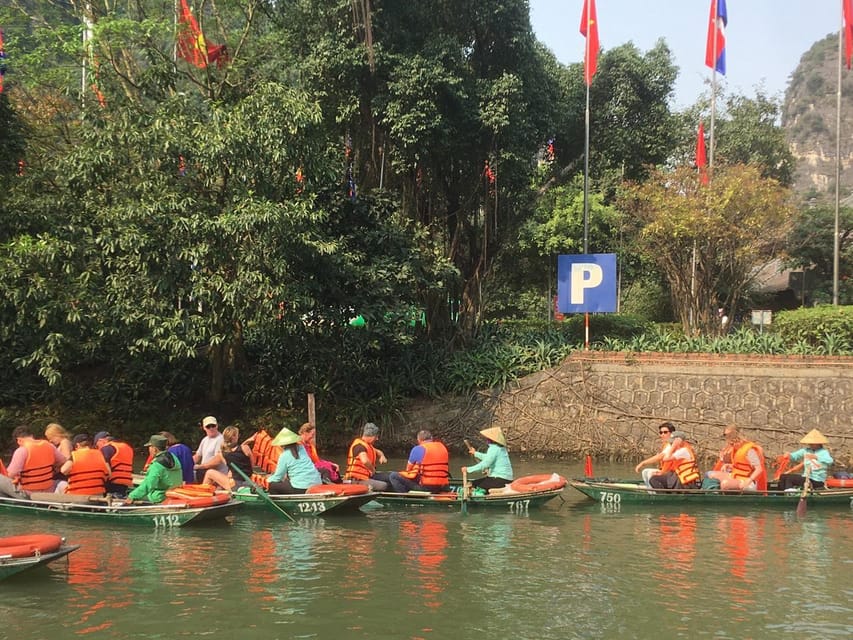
356,470
121,464
741,467
89,473
265,454
434,469
686,470
312,451
37,474
3,469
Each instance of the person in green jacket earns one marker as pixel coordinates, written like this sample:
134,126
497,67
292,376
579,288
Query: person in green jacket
163,474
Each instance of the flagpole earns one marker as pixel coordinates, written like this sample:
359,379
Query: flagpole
835,242
586,192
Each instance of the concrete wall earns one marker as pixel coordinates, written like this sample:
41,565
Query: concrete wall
609,405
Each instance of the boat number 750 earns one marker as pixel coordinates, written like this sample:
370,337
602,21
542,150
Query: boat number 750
609,497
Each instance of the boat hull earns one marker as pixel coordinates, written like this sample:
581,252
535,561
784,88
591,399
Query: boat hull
631,493
158,516
13,566
509,502
310,505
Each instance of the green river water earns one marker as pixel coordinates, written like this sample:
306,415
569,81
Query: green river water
573,569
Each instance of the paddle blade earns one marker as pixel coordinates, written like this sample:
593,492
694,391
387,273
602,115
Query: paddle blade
801,507
587,467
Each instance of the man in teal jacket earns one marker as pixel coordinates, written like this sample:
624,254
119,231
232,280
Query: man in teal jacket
163,474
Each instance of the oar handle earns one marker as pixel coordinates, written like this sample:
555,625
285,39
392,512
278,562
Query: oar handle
262,493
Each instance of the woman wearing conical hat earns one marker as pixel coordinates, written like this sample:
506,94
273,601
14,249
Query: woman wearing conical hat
295,471
495,462
816,462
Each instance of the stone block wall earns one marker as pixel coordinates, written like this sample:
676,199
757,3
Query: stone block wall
609,405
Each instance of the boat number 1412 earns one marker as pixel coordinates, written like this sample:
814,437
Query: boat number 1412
166,520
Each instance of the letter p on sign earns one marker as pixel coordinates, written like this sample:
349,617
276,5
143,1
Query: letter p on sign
586,283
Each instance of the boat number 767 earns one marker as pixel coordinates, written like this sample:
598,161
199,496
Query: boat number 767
519,506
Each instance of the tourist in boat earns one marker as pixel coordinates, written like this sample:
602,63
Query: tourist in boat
679,469
295,471
741,465
362,458
427,469
183,453
163,473
207,454
329,471
816,456
665,430
233,452
56,435
86,470
495,462
119,455
34,462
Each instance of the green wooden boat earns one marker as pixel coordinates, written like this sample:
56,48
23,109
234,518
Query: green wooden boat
523,494
10,566
309,505
109,511
631,492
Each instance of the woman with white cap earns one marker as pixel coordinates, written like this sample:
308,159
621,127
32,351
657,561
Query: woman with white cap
495,462
815,457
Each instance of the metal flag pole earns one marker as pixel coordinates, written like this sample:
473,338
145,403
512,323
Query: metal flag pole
835,242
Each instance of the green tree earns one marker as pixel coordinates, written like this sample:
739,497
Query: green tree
736,223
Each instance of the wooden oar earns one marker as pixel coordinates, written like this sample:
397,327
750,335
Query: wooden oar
262,493
807,485
465,490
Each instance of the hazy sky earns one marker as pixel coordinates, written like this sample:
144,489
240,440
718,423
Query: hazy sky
764,38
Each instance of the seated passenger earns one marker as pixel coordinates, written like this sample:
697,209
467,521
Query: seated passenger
87,471
678,466
232,452
495,462
428,468
163,473
665,430
741,464
362,458
119,455
34,462
295,471
329,471
816,456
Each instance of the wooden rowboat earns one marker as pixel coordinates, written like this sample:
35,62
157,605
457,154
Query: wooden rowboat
631,492
323,500
526,493
167,514
22,553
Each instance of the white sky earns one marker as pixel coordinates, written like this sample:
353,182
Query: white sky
764,38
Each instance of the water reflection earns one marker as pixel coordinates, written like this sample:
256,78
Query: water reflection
424,551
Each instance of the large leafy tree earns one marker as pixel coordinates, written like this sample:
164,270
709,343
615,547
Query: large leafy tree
734,225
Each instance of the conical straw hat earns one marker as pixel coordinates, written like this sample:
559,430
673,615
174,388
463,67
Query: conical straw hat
284,438
814,437
495,435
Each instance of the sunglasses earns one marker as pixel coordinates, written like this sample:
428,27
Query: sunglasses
663,431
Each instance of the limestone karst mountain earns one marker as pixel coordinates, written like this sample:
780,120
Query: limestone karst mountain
809,120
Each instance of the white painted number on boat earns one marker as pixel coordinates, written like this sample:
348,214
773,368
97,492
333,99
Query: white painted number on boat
606,496
170,520
519,506
311,507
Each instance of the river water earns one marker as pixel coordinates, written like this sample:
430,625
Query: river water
573,569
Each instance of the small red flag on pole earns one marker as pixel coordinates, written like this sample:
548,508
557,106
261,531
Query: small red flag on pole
589,29
847,6
701,158
587,466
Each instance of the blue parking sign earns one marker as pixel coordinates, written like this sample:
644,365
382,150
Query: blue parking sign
586,283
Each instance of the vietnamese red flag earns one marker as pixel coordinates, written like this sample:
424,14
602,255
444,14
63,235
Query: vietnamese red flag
715,47
847,6
589,29
192,46
701,158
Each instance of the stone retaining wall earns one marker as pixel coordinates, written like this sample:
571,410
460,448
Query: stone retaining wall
609,405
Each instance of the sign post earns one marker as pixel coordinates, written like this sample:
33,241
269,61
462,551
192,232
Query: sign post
586,283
